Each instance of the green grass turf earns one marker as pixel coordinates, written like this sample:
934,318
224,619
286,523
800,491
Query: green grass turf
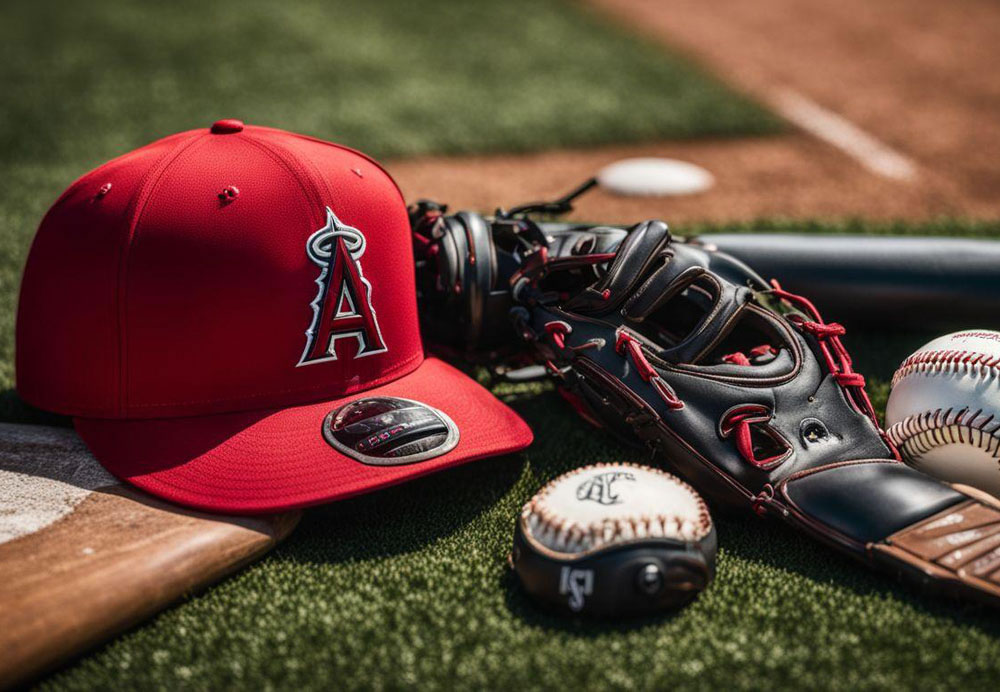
85,81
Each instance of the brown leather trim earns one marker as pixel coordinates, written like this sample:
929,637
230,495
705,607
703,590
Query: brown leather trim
977,494
956,551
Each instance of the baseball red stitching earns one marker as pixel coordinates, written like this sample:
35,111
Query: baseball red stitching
567,536
968,362
920,433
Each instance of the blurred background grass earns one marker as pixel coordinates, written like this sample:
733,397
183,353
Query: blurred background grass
395,77
409,587
84,82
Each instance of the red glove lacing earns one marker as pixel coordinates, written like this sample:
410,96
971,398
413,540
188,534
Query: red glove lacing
736,424
838,360
628,345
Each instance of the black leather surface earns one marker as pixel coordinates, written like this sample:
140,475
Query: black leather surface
640,251
687,568
868,502
952,282
796,388
478,269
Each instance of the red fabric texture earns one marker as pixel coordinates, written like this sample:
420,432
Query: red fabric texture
277,459
159,300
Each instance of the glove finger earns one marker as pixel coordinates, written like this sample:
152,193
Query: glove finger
637,253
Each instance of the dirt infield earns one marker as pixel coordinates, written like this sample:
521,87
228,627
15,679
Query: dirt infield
789,176
916,76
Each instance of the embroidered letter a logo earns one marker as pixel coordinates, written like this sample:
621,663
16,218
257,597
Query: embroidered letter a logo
343,305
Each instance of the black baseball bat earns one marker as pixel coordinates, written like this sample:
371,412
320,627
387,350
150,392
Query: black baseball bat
937,283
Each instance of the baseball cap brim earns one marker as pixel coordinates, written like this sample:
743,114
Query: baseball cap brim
277,459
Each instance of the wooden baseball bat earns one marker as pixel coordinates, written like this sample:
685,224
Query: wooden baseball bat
84,556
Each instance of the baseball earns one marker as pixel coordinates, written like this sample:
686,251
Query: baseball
606,504
614,539
944,409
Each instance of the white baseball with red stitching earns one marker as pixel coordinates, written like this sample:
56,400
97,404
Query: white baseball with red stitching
944,409
602,505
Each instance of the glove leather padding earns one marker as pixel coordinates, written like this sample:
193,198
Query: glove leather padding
847,488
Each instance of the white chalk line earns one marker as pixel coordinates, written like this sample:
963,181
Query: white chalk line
44,474
834,129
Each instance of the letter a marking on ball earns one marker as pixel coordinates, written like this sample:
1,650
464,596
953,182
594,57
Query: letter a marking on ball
600,488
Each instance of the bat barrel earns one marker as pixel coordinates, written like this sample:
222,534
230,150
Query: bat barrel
937,283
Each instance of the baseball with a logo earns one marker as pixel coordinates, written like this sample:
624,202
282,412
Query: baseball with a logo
614,539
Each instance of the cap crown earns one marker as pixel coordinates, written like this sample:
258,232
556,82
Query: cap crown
233,269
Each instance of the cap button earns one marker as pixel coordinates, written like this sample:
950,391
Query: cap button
227,126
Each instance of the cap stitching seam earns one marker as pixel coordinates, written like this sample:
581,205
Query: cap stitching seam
361,154
132,242
307,162
148,185
309,189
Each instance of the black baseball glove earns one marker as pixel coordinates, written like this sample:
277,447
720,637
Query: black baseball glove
741,387
744,390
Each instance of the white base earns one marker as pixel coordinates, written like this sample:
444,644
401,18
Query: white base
654,177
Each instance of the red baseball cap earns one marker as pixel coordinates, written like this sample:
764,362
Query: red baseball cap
230,316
